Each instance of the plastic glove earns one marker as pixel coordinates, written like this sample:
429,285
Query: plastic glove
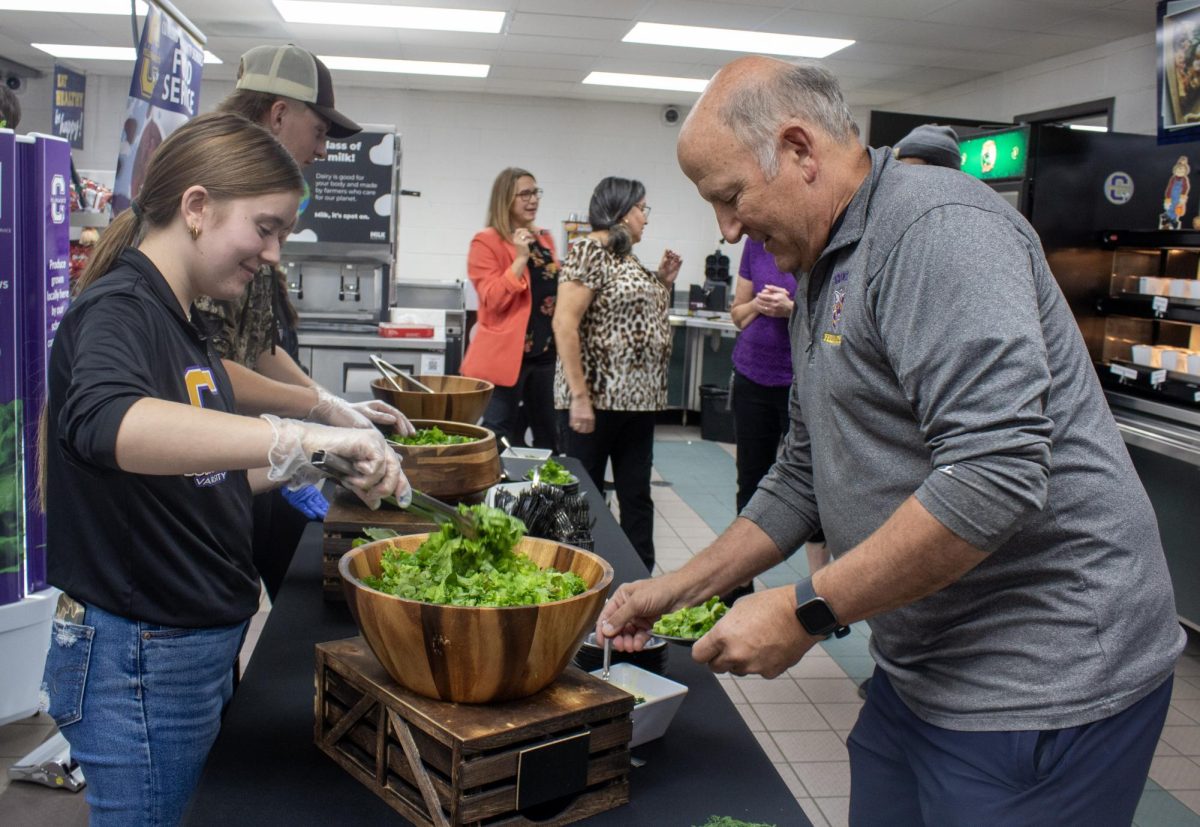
308,501
331,410
377,465
381,413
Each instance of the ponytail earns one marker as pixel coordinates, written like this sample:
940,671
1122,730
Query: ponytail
612,200
123,231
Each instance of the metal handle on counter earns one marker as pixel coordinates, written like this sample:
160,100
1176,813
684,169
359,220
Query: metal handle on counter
1160,444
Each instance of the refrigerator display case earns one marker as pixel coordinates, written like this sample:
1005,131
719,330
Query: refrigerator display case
1097,200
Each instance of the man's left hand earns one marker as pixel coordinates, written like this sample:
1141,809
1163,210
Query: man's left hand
759,635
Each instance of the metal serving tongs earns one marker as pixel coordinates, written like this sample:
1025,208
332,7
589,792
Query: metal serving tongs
339,468
389,371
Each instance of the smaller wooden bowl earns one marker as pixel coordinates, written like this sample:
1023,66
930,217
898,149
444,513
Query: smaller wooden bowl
455,398
449,472
474,654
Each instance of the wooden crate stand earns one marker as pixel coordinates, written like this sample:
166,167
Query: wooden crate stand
446,765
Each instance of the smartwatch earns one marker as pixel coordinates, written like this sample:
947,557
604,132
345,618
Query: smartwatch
814,613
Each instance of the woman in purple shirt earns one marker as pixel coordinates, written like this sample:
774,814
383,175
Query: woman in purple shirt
762,377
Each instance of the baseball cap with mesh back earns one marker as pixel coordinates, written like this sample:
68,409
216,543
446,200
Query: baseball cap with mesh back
296,73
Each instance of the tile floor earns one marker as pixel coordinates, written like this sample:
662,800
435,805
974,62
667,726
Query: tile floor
801,718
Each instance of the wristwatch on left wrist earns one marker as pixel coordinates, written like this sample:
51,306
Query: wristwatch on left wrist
814,613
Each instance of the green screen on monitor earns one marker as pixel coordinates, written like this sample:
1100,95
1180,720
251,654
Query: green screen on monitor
996,155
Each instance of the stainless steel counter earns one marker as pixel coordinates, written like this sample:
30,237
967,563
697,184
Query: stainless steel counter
341,361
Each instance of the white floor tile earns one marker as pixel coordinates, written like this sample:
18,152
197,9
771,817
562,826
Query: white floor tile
835,810
812,746
789,778
1175,773
778,691
769,747
1186,739
750,717
813,812
840,716
790,717
825,779
829,690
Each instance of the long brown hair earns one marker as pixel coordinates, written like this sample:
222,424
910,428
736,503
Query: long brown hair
504,190
224,153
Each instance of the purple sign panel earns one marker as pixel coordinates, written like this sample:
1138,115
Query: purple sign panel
12,497
44,290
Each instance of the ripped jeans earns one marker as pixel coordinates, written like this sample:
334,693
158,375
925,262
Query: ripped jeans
140,705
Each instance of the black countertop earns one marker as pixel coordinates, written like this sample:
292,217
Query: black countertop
265,770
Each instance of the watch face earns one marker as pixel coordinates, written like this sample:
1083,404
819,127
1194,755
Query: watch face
816,617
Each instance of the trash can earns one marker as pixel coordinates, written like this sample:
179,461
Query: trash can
716,418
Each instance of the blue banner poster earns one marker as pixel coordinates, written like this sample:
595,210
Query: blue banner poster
67,111
12,497
43,290
164,95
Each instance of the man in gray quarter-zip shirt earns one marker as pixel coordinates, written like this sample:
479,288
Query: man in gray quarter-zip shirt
984,514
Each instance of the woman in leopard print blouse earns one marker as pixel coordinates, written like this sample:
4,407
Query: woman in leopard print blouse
614,343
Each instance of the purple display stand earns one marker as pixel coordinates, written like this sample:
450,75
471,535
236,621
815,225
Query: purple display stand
43,227
12,498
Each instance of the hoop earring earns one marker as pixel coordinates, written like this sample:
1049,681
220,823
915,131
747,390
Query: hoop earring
194,229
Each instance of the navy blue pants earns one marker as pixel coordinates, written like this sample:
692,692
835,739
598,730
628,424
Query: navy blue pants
907,772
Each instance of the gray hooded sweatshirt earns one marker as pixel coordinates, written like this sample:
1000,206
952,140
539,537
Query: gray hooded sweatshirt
935,356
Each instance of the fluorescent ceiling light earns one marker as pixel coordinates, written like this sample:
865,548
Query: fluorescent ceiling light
406,67
126,53
646,81
735,40
390,17
73,6
1087,127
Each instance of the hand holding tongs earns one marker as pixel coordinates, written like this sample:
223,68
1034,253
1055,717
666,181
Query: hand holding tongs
339,468
389,371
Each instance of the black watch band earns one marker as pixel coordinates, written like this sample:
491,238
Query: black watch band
814,613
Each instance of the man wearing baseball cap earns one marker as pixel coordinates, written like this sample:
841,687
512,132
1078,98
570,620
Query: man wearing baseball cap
289,92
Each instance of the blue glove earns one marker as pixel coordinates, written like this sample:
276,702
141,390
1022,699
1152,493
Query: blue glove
308,501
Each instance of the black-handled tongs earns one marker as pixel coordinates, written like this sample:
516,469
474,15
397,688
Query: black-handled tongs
339,468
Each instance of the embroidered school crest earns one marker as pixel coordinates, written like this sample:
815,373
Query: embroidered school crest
839,301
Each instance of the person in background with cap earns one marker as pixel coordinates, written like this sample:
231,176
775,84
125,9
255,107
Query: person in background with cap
288,91
930,144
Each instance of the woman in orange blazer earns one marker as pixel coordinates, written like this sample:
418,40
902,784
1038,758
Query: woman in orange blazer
514,268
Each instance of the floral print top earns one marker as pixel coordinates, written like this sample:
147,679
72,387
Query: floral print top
543,288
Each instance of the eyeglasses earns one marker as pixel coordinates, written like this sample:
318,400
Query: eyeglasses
645,208
529,195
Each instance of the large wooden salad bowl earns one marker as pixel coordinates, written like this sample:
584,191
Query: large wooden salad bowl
451,472
473,654
456,398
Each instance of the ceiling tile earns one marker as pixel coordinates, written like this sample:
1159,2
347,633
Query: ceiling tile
718,15
561,25
1015,15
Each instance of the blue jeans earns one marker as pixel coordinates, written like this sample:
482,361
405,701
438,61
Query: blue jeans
140,705
905,772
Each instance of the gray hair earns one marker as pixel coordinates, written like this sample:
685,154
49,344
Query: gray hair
806,90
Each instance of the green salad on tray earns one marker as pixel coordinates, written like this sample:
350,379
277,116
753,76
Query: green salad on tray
693,622
551,473
451,569
430,436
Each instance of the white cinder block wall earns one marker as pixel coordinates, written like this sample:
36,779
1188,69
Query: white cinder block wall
455,143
